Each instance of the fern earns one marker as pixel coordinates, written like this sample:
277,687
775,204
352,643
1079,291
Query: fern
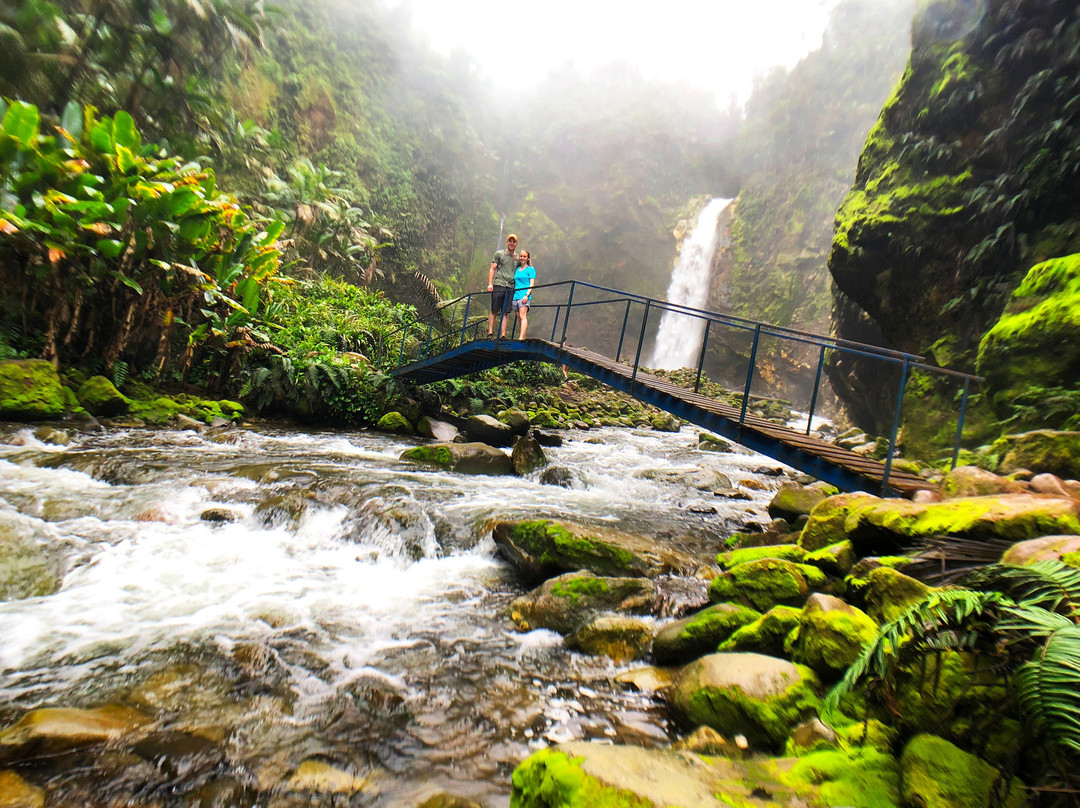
120,370
1048,585
1046,688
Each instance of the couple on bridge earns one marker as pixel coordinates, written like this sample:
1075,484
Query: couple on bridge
510,272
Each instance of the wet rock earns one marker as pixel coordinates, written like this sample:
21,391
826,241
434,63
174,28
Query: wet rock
27,568
17,793
766,635
568,602
517,420
285,510
1047,548
546,438
176,754
182,688
219,515
218,422
30,390
620,638
322,778
448,801
769,471
647,680
761,697
1039,451
810,736
271,473
463,458
436,430
527,456
540,549
888,593
971,481
64,728
711,443
794,500
485,429
701,479
184,422
830,635
765,583
54,437
707,741
936,774
665,422
691,637
395,423
561,476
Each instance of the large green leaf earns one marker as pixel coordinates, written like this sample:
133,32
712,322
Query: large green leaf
21,123
1047,688
72,120
124,132
248,289
110,247
182,201
125,159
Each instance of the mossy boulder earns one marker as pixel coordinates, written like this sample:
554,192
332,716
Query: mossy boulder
100,397
888,593
30,390
859,778
872,734
794,500
618,637
27,569
542,548
766,635
828,518
463,458
528,455
568,602
664,422
1048,548
517,420
701,633
1036,342
836,559
766,583
937,774
758,696
830,635
395,424
1040,451
785,552
972,481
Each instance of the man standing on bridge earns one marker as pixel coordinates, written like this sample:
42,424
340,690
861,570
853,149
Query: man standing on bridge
501,284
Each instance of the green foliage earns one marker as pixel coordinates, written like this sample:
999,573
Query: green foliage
128,242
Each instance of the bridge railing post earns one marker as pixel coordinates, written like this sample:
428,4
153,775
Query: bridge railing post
465,322
566,317
427,342
817,386
555,325
641,339
701,358
626,317
896,423
750,373
401,354
960,423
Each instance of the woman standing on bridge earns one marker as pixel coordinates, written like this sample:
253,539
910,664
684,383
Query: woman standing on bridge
524,280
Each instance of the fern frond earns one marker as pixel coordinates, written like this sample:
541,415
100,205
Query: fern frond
1050,585
1046,688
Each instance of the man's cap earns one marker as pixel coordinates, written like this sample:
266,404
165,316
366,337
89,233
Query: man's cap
512,236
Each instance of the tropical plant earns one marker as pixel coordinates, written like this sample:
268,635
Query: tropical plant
107,245
1023,621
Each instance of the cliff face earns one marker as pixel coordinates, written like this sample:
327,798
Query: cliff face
967,181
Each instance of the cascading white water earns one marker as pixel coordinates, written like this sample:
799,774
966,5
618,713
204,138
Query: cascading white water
679,337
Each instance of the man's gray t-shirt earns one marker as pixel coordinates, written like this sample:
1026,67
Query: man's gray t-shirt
505,267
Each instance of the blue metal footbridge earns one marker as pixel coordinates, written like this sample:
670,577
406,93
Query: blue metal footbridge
446,344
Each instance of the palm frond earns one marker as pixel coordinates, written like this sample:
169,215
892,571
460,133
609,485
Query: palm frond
1050,585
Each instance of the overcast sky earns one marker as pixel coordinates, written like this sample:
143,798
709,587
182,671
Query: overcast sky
715,44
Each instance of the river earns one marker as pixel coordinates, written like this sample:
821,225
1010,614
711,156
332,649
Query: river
346,607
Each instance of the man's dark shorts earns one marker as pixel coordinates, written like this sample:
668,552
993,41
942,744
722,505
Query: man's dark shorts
500,299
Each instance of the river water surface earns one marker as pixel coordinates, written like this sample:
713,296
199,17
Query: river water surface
353,612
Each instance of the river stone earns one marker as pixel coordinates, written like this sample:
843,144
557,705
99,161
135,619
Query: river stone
701,633
766,635
647,680
794,500
828,519
1054,485
527,456
396,424
65,728
17,793
711,443
1039,451
936,774
448,801
50,435
765,583
543,548
463,458
30,390
321,778
701,479
972,481
517,420
830,636
1048,548
707,741
758,696
485,429
285,510
836,559
812,735
664,422
561,476
547,439
436,430
568,602
27,569
621,638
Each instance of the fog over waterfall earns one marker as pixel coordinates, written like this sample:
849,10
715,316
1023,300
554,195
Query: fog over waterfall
679,337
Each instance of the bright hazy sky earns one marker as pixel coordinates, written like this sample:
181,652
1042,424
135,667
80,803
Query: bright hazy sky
715,44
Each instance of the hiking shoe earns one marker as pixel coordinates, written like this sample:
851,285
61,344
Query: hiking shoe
491,335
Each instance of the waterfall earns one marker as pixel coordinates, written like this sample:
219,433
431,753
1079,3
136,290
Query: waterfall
679,336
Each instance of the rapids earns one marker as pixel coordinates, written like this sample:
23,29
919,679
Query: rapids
352,611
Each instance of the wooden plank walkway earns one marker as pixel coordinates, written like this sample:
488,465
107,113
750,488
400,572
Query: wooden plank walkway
823,460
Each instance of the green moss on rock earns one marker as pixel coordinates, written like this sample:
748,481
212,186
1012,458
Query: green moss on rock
828,519
766,583
1038,451
785,552
30,390
700,633
100,397
830,635
766,635
937,774
553,779
396,424
861,779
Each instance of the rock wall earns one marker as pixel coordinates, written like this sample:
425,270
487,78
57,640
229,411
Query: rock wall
966,182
